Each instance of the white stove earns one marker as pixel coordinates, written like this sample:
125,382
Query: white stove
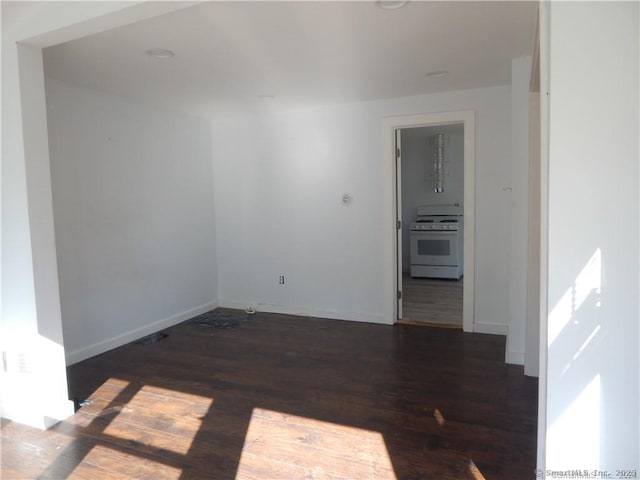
437,242
436,224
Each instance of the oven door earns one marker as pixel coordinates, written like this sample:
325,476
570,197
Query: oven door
435,248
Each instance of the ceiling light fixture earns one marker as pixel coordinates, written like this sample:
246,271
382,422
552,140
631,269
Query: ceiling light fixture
267,96
391,4
437,73
160,53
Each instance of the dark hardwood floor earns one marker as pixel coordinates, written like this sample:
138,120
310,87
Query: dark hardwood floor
291,397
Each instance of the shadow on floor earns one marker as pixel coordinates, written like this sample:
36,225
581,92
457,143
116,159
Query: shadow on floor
294,397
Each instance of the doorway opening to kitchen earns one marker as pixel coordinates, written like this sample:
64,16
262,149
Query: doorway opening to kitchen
434,205
432,196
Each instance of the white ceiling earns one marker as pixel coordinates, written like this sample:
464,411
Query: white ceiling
228,54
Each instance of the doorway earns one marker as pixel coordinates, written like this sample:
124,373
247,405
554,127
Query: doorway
394,127
432,199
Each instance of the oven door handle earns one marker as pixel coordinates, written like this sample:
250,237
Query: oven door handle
435,232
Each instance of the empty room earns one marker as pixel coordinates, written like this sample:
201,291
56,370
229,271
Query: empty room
318,240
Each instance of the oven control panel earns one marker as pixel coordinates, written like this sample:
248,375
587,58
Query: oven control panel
418,227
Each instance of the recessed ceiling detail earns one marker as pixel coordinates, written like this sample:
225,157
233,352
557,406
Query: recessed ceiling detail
437,73
160,53
391,4
310,53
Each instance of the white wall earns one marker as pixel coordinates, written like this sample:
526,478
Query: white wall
593,363
534,259
134,217
417,179
33,386
279,179
33,377
33,381
519,220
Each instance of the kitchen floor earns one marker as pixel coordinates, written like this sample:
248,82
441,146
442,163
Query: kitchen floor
432,300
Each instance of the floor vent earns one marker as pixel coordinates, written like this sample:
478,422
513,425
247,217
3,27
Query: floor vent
149,339
220,319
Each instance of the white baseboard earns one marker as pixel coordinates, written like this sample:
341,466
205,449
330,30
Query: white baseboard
306,312
514,358
490,328
531,370
126,337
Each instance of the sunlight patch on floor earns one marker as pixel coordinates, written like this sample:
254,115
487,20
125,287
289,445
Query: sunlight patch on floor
138,420
130,465
300,447
439,417
474,471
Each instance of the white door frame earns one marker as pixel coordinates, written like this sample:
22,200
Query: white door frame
390,125
398,203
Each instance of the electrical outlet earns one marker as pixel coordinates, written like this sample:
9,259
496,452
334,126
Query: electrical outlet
281,280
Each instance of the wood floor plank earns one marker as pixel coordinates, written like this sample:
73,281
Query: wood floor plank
432,300
291,397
